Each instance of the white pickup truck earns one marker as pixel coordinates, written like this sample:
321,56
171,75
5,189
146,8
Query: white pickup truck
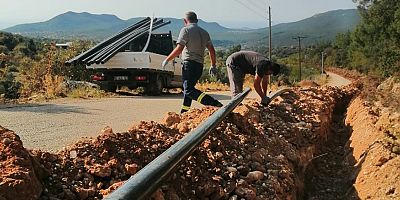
132,68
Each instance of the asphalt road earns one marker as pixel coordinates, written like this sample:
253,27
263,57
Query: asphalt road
336,80
51,126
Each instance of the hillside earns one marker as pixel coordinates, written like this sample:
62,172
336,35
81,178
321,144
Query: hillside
320,27
72,25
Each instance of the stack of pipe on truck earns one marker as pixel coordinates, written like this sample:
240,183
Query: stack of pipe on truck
133,58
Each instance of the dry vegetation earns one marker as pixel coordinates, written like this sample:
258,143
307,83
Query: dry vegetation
212,86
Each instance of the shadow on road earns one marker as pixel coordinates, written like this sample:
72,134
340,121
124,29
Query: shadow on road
168,96
45,108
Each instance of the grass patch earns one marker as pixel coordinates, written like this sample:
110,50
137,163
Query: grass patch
321,79
87,92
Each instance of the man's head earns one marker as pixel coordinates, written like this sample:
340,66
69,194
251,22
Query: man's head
190,17
273,68
276,68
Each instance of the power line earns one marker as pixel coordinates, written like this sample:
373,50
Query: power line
256,4
251,9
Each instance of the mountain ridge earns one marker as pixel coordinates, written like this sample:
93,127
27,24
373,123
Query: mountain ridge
84,25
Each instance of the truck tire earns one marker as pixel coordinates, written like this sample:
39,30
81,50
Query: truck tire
156,86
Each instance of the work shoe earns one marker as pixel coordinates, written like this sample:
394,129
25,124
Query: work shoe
183,111
217,104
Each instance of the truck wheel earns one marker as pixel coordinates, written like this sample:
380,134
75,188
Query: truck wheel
155,87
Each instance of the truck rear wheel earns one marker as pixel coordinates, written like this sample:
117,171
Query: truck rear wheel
156,86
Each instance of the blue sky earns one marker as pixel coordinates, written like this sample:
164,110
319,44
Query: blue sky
230,13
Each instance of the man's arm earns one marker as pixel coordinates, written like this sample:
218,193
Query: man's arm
211,52
175,53
265,81
257,86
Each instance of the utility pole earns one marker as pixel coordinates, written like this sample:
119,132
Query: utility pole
270,45
322,63
299,38
270,34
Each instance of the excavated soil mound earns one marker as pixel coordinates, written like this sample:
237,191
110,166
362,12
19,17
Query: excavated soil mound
20,173
255,153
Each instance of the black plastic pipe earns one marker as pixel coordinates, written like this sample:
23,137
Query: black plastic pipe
105,48
148,180
101,53
107,41
115,51
122,41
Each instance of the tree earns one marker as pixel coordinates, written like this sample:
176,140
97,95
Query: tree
377,37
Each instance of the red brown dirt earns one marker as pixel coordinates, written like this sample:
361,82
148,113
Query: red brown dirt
21,174
376,153
255,153
375,120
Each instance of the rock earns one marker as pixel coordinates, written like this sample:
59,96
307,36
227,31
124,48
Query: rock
183,127
106,130
84,193
171,195
243,170
99,185
69,195
113,163
219,154
381,161
122,151
111,188
171,118
6,141
158,195
131,169
231,169
100,170
218,194
246,192
254,176
234,197
73,154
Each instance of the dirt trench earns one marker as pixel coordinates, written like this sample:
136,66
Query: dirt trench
329,175
359,160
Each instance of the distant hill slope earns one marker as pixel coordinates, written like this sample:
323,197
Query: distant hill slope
73,25
320,27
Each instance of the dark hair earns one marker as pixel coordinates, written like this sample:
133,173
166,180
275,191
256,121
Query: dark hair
270,66
275,68
191,17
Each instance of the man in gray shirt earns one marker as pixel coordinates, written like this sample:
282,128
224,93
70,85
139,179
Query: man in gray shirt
241,63
192,42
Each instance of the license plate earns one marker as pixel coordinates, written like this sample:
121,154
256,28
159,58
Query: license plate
120,78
